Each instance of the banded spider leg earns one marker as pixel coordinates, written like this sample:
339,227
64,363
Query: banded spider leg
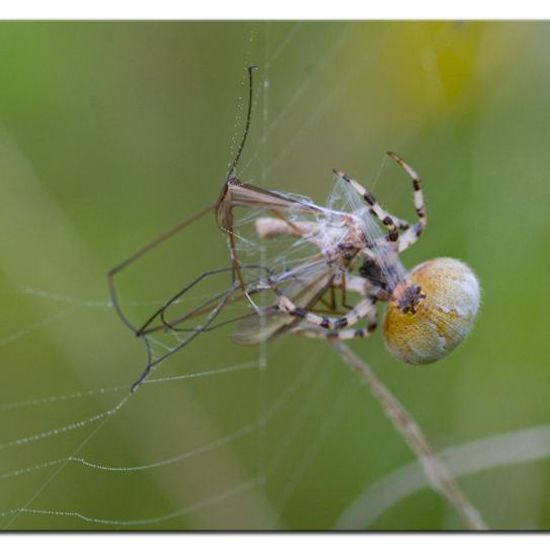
394,224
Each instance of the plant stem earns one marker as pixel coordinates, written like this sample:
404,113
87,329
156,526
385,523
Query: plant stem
439,477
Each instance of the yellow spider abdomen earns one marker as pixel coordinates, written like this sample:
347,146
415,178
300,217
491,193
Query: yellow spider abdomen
440,319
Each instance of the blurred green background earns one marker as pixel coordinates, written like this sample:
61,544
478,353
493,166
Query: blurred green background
112,132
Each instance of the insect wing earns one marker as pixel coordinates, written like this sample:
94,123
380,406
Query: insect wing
304,285
243,194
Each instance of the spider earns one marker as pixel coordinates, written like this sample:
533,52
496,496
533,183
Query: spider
431,309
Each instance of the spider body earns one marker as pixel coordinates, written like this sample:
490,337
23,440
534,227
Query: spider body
441,320
430,309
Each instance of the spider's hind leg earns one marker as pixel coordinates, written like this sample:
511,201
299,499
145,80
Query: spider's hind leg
342,334
362,310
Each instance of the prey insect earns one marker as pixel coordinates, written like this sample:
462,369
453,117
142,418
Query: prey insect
351,246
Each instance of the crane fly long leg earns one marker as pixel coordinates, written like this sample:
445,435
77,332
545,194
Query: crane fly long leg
145,328
202,328
232,295
140,253
212,312
150,328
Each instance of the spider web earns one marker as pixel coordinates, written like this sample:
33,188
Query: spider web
87,434
220,436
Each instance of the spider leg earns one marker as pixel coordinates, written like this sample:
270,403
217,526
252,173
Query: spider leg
410,236
393,223
330,304
342,334
356,284
329,308
361,310
344,293
341,283
352,284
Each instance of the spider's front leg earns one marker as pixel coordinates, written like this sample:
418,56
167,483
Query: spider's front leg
410,236
393,223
